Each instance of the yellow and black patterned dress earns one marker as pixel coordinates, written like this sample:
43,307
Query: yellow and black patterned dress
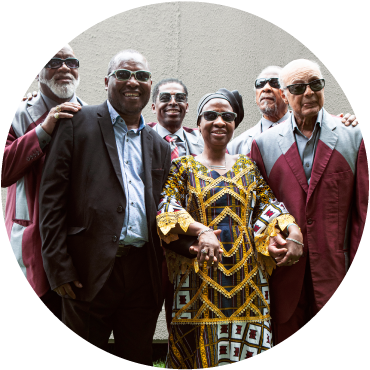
222,316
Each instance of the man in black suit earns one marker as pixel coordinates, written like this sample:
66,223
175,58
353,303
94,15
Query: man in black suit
99,194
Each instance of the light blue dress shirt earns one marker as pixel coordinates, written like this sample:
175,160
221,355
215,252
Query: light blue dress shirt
135,226
307,146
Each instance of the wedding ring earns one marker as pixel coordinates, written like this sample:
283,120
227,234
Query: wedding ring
58,108
204,251
56,115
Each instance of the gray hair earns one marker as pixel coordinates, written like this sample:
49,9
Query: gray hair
269,69
292,63
112,62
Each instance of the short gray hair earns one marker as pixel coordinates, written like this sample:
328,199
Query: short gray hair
292,63
269,69
112,62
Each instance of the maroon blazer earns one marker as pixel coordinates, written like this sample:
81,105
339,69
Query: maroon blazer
331,211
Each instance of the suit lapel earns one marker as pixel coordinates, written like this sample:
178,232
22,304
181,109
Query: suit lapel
106,128
325,145
36,108
291,154
195,144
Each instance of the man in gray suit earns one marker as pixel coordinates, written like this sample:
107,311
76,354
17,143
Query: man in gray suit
24,155
274,110
170,105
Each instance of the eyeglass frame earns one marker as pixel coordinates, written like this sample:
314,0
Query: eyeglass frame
267,80
172,95
63,61
218,114
306,84
131,73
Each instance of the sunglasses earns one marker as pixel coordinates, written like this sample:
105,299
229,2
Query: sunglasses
57,63
261,82
299,89
211,115
125,75
166,97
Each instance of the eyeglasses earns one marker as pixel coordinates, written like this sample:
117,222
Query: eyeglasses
57,63
299,89
125,75
166,97
261,82
211,115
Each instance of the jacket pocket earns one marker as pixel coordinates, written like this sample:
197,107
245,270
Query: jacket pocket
73,230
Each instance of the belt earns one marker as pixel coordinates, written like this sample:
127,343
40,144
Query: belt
123,250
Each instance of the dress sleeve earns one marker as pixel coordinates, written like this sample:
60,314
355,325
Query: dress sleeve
171,208
268,219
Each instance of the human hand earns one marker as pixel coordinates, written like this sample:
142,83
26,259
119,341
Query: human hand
67,289
30,96
211,245
59,111
348,119
294,250
195,249
277,248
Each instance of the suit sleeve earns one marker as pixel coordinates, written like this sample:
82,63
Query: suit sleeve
360,203
255,155
53,203
19,156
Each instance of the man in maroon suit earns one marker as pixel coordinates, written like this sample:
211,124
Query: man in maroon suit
28,138
318,168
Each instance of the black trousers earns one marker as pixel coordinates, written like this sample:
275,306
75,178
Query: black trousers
53,302
125,304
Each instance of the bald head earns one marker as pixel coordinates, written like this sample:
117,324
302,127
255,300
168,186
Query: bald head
127,55
298,69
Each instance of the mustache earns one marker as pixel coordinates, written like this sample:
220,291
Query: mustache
269,97
63,75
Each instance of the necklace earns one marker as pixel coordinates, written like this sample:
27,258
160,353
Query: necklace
214,166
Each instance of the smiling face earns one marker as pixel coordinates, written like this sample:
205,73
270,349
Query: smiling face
308,104
217,133
269,100
59,82
131,96
170,114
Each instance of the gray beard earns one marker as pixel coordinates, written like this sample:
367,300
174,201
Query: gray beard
62,91
269,111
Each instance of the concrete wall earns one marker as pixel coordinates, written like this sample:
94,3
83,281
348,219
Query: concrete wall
206,46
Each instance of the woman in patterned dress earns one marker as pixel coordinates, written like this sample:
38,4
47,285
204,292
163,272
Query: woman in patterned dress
221,309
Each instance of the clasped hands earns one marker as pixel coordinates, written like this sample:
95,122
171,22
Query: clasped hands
285,252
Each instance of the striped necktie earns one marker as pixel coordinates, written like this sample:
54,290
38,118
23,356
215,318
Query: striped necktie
174,149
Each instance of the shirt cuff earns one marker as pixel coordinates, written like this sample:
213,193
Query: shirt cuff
44,138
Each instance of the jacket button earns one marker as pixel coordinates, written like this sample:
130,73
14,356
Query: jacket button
114,238
309,221
119,209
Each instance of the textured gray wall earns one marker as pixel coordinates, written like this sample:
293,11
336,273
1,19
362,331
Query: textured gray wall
188,41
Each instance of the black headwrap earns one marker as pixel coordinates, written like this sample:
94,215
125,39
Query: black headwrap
233,97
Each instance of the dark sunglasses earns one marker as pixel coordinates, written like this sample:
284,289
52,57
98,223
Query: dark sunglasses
57,63
299,89
211,115
166,97
125,75
261,82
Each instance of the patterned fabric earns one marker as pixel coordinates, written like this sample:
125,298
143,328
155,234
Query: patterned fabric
215,311
174,149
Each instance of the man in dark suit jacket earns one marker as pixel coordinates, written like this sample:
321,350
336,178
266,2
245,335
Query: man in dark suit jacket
98,200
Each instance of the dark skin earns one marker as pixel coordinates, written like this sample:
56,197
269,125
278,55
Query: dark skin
130,97
170,115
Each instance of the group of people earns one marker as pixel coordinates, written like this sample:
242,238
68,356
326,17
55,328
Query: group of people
244,240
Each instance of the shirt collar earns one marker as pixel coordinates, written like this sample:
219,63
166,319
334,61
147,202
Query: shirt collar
318,122
114,116
265,123
163,132
50,103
